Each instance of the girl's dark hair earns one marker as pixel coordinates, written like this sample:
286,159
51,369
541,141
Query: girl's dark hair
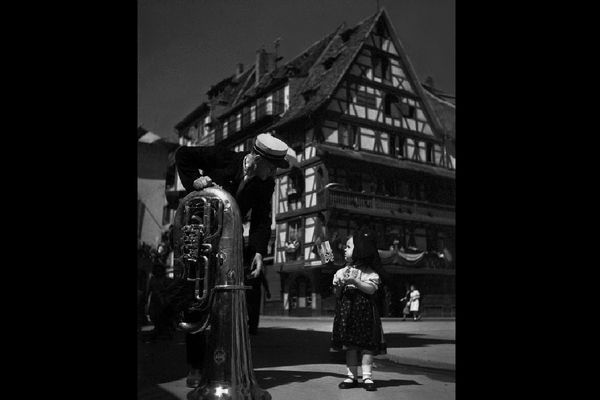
365,253
365,249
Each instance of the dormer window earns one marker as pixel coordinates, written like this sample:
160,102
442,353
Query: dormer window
309,94
347,33
328,62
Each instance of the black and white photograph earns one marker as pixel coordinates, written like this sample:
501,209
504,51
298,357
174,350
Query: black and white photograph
296,200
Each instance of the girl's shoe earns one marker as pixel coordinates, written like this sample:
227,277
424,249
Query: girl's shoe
369,385
348,385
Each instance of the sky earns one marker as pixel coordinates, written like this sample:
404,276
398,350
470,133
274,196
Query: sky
185,46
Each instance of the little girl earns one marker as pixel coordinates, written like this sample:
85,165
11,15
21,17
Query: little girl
357,326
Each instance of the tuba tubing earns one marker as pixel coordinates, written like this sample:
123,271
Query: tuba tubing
227,371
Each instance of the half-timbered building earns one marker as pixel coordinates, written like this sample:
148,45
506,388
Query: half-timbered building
375,147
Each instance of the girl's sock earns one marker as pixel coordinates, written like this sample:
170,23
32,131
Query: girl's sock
352,365
352,372
366,372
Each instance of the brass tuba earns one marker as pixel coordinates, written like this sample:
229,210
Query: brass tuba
208,246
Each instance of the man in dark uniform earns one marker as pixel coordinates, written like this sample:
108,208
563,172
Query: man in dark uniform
249,177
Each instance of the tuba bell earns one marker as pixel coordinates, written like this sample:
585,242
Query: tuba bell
208,252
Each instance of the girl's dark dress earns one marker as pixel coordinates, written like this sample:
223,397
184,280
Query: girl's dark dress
357,322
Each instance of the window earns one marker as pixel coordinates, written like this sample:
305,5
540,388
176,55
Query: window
400,144
296,184
238,147
292,244
389,99
429,155
410,149
269,105
345,132
281,239
280,100
233,124
408,111
422,151
437,154
225,129
245,116
330,132
382,142
381,66
366,99
367,139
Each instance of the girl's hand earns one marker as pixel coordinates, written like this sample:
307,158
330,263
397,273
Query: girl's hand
350,280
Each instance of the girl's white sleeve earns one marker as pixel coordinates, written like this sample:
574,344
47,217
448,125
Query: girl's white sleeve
337,277
371,277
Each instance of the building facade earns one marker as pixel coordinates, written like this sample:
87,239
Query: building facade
375,148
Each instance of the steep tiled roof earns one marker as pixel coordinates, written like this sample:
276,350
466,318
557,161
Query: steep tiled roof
317,72
319,68
188,119
328,70
444,110
299,67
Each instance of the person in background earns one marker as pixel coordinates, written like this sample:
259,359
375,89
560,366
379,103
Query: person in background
414,303
406,300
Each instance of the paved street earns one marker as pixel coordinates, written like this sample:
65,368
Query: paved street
292,361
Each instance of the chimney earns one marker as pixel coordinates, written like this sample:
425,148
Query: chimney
265,63
239,70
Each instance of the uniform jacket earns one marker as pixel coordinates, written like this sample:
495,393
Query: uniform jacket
226,170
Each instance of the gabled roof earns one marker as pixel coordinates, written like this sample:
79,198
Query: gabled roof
298,67
329,69
445,111
318,71
188,119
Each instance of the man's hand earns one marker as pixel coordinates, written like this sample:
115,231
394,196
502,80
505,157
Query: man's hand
268,295
202,182
256,266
